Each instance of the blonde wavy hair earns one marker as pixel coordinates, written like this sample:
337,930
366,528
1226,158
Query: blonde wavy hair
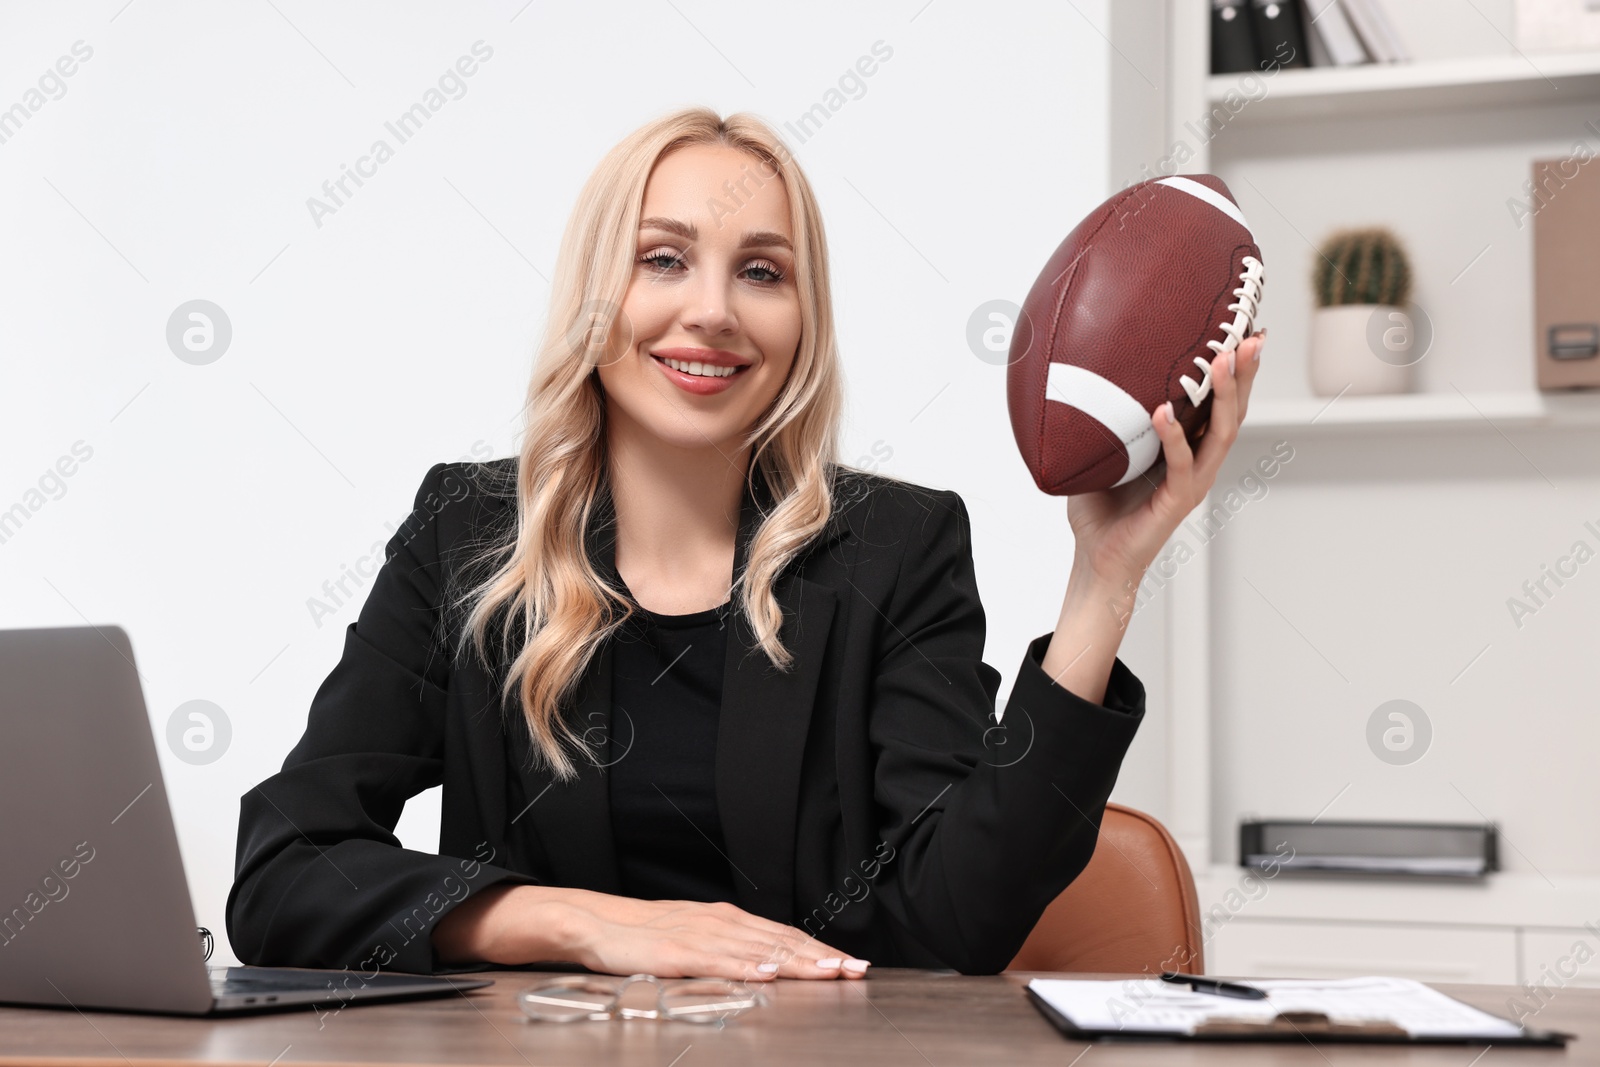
542,602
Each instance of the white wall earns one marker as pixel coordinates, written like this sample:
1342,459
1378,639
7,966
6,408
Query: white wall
177,165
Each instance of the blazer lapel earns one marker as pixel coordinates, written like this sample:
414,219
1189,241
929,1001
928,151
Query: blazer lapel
761,737
489,731
574,817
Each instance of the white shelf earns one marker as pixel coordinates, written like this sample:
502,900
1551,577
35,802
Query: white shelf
1501,899
1440,85
1487,411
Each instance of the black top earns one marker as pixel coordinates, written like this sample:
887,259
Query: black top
666,699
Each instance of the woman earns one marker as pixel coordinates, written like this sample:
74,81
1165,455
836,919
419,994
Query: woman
703,702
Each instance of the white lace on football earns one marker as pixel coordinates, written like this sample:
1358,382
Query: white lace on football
1245,309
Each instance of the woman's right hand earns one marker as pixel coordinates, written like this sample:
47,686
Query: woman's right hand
621,935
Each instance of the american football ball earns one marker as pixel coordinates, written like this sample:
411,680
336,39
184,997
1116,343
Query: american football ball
1128,314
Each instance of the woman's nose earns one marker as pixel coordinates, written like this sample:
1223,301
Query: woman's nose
707,306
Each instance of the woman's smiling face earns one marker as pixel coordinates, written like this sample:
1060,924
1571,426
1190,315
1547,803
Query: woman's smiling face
713,270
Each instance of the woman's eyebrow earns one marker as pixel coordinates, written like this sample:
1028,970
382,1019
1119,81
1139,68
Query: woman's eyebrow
752,238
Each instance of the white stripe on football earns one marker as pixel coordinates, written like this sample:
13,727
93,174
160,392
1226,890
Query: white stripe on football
1111,406
1210,196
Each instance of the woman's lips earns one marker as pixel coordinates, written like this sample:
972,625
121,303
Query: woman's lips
700,385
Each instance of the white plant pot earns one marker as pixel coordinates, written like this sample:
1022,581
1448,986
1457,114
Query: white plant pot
1354,350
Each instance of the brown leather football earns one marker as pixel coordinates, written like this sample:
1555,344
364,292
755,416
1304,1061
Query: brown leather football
1128,313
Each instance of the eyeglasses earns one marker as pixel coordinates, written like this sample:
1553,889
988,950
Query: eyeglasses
694,1000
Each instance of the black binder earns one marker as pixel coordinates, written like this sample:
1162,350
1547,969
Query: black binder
1279,33
1233,37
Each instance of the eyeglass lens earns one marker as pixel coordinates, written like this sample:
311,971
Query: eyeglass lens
692,1000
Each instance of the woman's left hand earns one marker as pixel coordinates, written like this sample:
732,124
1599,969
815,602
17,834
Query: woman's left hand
1119,531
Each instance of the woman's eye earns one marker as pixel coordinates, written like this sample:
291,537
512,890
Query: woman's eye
654,256
768,268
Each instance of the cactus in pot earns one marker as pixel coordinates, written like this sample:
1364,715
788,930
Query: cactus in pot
1361,336
1366,266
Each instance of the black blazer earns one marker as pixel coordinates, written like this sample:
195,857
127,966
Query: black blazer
866,796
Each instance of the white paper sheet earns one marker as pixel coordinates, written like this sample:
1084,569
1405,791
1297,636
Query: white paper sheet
1148,1005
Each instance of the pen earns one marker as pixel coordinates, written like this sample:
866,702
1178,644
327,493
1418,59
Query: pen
1211,985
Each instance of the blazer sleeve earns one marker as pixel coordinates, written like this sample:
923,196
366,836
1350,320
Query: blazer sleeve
320,878
989,822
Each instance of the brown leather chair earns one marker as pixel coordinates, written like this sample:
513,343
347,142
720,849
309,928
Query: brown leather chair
1132,910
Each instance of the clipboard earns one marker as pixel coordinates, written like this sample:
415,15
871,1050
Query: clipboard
1296,1026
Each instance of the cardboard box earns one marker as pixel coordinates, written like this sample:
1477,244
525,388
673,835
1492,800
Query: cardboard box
1566,272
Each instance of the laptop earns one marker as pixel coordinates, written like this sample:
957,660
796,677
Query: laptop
94,904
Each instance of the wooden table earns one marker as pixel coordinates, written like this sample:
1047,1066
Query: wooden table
926,1018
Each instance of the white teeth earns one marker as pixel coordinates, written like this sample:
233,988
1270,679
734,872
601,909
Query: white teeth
704,370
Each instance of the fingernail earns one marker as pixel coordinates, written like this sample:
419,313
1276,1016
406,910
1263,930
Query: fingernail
768,968
1171,417
1232,364
856,966
830,964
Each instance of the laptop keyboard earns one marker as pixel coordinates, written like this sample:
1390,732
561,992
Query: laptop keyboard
267,983
243,984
